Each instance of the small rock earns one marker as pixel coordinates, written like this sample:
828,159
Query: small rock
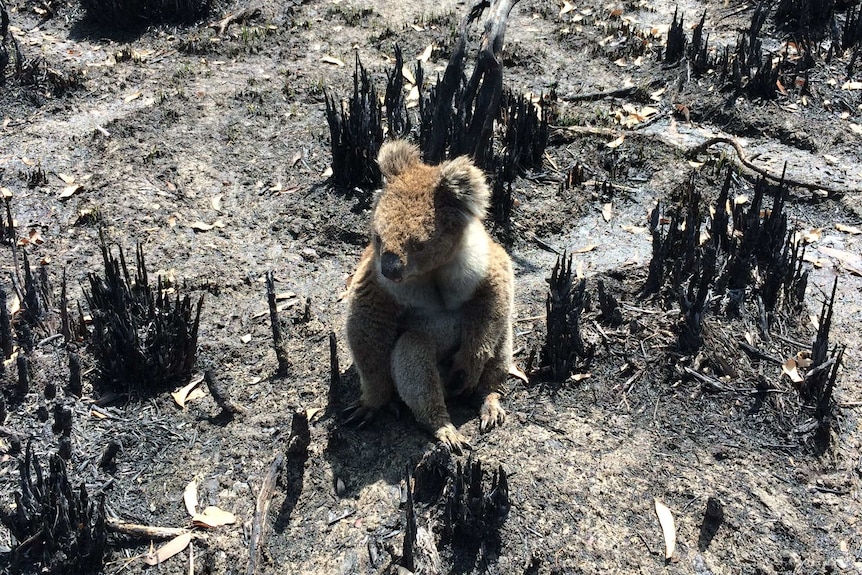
340,488
309,254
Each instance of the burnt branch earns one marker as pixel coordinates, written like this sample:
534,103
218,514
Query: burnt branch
277,338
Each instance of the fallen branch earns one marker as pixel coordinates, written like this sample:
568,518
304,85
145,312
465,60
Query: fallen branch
220,396
593,96
700,148
709,382
261,510
143,531
242,15
563,135
277,338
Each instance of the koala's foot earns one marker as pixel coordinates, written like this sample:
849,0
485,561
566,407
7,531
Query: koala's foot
452,438
492,413
359,414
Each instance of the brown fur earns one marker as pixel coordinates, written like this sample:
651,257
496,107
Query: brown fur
430,305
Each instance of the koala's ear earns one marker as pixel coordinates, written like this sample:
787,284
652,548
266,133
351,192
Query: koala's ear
395,157
467,183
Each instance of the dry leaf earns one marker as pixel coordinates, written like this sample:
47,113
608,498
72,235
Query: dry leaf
851,86
132,96
585,249
580,376
213,517
67,178
426,54
169,549
69,191
848,229
607,211
6,193
567,7
215,202
808,237
35,237
190,497
635,229
285,295
668,529
616,143
332,60
789,368
200,226
852,262
413,95
245,338
656,96
407,73
803,359
181,396
516,371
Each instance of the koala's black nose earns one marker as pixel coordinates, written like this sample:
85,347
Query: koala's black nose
391,266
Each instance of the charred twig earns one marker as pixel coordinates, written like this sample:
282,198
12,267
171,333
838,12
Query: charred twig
593,96
261,510
7,344
408,561
277,338
221,397
334,371
143,531
242,15
710,382
758,354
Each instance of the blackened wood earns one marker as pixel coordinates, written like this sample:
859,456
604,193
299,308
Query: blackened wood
257,540
220,395
277,338
23,374
6,342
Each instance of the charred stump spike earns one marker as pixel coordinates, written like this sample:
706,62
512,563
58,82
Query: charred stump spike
7,343
277,338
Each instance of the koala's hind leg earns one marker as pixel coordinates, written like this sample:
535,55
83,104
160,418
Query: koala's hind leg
417,379
492,414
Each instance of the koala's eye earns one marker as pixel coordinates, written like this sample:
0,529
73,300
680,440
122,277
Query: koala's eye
417,246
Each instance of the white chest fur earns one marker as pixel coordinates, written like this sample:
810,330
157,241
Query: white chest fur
448,287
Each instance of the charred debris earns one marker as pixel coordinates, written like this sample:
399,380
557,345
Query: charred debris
467,507
144,336
458,114
814,29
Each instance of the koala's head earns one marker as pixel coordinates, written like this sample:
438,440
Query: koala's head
421,215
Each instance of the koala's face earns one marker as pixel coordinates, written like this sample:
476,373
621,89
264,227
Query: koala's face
413,232
421,215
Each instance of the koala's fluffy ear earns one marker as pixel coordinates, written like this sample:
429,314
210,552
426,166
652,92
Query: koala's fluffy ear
467,183
395,157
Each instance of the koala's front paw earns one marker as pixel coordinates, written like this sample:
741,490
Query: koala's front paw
492,413
359,414
452,438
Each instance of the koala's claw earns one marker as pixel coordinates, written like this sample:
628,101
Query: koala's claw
452,438
492,414
359,415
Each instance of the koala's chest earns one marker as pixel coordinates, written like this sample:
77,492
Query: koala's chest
442,325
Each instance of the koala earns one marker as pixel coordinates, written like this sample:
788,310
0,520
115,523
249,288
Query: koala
430,304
